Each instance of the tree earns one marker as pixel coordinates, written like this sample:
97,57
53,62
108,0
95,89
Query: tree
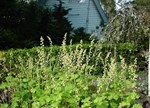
13,23
23,23
143,6
127,27
109,7
128,24
61,25
8,22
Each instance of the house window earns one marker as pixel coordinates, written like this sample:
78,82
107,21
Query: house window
76,1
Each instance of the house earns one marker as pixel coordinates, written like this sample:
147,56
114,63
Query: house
84,13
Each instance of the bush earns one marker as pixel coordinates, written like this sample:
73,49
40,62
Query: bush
128,51
80,34
66,80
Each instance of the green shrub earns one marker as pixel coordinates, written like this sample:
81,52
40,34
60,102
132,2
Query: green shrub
128,51
66,80
80,34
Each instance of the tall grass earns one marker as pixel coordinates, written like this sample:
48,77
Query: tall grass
66,80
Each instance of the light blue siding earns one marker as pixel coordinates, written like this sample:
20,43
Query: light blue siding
81,14
94,17
78,14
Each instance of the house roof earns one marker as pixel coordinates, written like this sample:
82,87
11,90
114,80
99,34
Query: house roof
101,11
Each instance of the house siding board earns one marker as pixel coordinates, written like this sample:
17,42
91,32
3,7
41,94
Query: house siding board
78,14
94,18
101,11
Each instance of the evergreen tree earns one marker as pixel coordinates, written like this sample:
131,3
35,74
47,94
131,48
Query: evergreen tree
22,23
8,22
61,25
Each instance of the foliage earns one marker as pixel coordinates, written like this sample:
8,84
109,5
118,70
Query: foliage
22,23
142,5
61,25
130,23
80,34
109,7
126,50
143,9
126,26
67,80
19,18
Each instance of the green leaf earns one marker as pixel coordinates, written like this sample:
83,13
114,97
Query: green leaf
17,94
124,103
131,96
25,105
35,104
105,104
42,100
4,106
9,78
72,101
33,90
48,99
113,95
39,92
32,83
86,102
14,105
52,59
69,88
4,85
99,100
25,80
137,106
113,105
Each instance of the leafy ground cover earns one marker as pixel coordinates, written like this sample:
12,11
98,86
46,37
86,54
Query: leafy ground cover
67,79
